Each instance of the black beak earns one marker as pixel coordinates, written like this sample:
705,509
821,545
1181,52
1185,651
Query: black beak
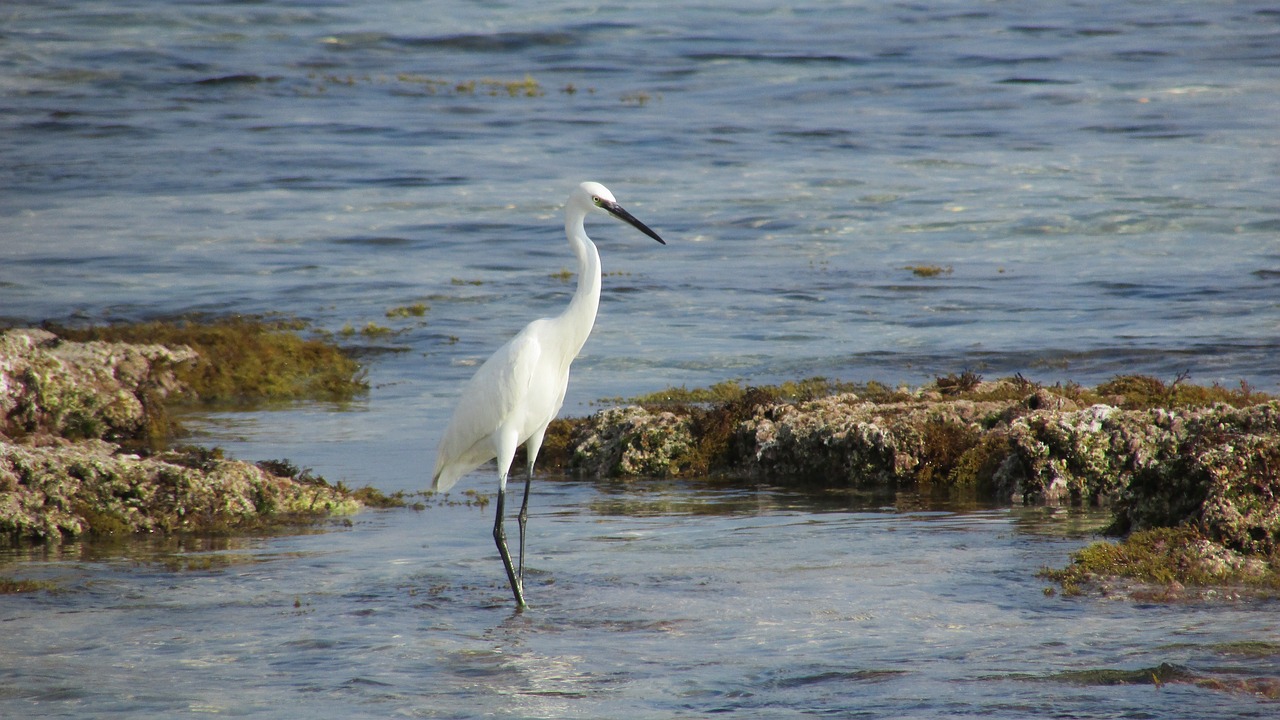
616,210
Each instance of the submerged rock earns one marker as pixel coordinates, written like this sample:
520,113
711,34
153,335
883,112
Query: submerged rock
1169,564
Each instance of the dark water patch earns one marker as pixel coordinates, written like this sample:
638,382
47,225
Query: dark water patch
89,130
1038,30
817,134
1017,80
779,58
1140,55
402,181
1161,293
922,85
786,680
1170,23
501,42
970,134
996,61
912,289
239,79
1035,29
1153,131
373,241
306,182
720,130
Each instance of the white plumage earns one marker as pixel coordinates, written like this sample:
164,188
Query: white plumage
517,392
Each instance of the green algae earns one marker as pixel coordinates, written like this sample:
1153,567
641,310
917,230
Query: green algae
1140,392
731,391
12,586
406,311
371,330
242,359
1165,564
1158,675
928,271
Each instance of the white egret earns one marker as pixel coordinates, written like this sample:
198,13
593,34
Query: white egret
517,392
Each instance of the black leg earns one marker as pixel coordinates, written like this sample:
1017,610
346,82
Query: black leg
500,538
523,519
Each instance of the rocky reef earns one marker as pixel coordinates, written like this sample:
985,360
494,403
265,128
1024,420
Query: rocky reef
1204,461
82,430
1191,474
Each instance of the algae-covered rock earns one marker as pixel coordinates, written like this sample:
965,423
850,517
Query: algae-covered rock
1192,474
62,490
1064,456
83,390
1168,564
1216,467
840,439
631,441
844,439
67,409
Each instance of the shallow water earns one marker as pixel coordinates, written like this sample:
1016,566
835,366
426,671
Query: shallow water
1098,178
676,601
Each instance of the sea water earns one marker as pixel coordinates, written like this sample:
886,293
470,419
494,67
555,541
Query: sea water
1093,185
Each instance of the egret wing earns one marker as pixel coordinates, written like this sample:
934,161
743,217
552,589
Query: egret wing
488,401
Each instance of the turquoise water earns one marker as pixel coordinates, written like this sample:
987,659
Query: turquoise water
1097,180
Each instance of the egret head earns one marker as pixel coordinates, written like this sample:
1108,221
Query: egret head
593,196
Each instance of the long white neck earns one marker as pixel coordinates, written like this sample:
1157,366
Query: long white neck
577,319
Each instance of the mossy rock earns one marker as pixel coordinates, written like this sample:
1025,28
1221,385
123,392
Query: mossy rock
66,490
1167,564
1218,470
241,359
91,390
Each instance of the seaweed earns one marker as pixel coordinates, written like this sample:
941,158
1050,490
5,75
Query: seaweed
242,359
